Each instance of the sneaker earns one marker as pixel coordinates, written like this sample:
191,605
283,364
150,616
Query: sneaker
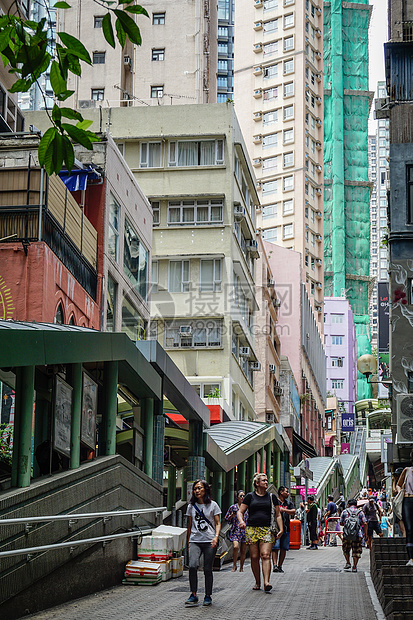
207,601
313,548
354,569
410,562
193,600
347,566
280,570
275,569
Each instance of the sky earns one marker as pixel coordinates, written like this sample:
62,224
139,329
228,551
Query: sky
378,35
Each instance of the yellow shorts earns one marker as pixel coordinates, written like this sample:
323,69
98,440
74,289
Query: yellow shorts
257,534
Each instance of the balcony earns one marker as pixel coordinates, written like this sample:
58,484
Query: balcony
58,221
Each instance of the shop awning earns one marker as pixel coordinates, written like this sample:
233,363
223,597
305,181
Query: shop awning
77,179
303,446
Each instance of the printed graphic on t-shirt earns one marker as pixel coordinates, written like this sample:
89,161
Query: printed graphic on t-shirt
201,524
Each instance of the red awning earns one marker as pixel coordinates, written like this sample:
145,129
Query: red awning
329,441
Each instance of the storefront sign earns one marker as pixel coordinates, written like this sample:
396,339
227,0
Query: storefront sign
347,422
301,489
345,448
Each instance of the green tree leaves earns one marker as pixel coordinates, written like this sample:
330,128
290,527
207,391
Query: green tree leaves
25,51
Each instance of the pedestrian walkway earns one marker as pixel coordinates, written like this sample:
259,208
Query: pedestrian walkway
314,586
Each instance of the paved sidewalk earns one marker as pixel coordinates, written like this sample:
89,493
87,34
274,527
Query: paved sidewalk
314,586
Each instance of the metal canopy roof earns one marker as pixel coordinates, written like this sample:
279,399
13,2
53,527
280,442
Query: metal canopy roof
175,386
231,443
42,344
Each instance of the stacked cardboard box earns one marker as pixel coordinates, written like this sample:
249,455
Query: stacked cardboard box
142,573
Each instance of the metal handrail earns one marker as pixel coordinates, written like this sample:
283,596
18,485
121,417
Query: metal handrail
74,516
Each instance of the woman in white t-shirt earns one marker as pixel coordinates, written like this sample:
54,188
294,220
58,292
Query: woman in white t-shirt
204,526
406,479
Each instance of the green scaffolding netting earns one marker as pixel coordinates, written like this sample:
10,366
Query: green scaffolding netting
346,191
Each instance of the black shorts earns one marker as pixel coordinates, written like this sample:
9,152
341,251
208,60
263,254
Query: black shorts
373,526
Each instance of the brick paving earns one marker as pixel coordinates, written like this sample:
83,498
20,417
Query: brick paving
313,587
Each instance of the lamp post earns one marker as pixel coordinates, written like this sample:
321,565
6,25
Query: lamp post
367,366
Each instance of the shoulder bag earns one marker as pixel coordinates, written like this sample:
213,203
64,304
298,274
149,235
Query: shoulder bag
398,500
222,547
273,525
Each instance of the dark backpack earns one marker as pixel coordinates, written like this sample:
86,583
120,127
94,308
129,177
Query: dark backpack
352,526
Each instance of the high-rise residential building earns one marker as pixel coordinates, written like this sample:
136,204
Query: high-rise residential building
278,94
176,63
347,102
225,68
11,118
341,351
379,177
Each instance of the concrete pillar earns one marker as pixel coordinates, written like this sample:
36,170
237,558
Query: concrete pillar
250,473
230,487
171,498
217,487
40,428
196,461
262,468
76,381
158,442
147,405
110,407
241,476
268,461
277,467
22,440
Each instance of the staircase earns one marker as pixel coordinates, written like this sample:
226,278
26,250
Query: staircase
392,579
358,447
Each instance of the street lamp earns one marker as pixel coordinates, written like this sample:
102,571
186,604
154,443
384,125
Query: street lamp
367,366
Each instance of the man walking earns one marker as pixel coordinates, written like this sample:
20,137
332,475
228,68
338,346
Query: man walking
352,519
282,544
373,514
311,509
331,511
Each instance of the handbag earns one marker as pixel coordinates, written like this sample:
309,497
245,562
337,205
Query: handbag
398,501
273,525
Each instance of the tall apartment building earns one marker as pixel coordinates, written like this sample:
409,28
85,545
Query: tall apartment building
278,95
11,118
176,63
225,69
347,103
379,177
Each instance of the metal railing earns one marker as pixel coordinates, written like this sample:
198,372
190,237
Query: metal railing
72,519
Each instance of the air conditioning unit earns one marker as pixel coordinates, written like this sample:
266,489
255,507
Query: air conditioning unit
239,211
257,162
257,116
318,32
87,103
270,418
318,237
257,48
258,4
277,302
318,261
318,191
257,93
318,99
318,9
318,144
255,365
252,247
185,330
319,285
257,139
404,411
244,351
258,26
272,369
271,283
277,390
319,168
318,214
127,61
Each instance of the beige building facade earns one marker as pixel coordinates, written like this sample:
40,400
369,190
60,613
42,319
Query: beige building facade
175,64
278,95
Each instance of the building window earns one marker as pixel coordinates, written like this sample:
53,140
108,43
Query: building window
158,19
337,318
270,234
111,299
288,207
98,21
410,194
156,211
337,340
193,334
288,66
196,153
288,43
179,274
288,112
211,276
270,163
270,140
97,94
59,318
288,159
132,323
288,231
270,94
135,260
158,54
156,92
289,89
270,187
337,362
270,72
270,118
288,136
195,212
155,277
337,384
289,20
269,49
113,233
271,25
99,58
150,156
288,183
269,211
270,4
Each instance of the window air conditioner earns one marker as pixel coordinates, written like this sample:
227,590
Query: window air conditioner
127,61
269,418
271,283
277,302
86,103
272,368
244,351
404,411
185,330
255,365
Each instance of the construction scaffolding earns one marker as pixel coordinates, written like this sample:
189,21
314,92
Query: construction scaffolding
347,102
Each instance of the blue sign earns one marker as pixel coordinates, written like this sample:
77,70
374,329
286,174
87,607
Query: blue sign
347,422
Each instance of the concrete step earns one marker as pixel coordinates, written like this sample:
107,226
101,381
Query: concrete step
400,608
